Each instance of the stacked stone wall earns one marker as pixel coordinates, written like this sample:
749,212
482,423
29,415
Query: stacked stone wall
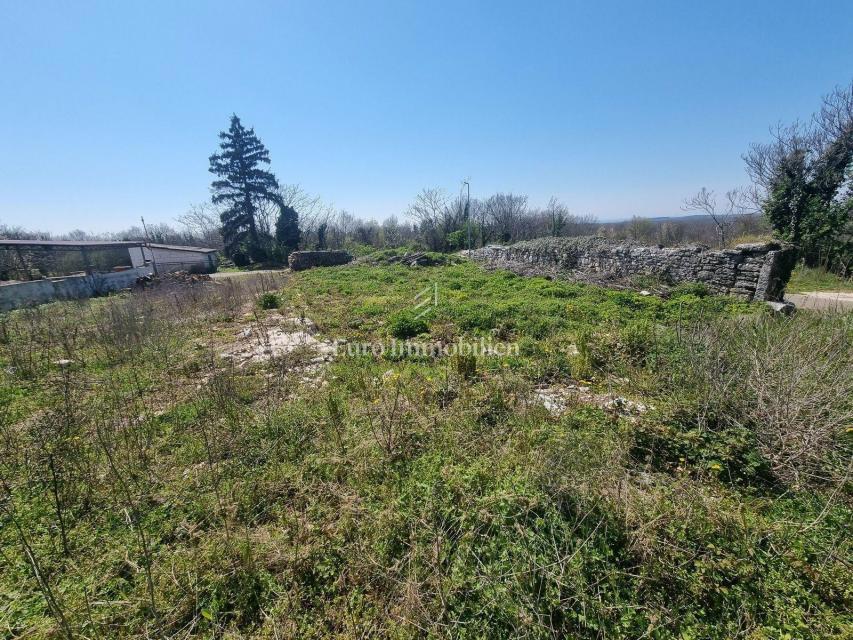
757,271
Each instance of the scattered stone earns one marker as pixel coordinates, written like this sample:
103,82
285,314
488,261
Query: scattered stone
304,323
644,478
175,279
624,405
785,308
558,399
269,342
410,259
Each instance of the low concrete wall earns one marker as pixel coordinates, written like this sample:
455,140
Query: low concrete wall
28,294
301,260
749,271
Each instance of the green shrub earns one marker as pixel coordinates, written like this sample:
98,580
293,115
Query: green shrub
465,365
269,300
595,352
405,325
457,239
636,341
697,289
672,441
241,258
475,316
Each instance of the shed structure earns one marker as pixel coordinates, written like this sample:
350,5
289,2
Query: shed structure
34,272
167,258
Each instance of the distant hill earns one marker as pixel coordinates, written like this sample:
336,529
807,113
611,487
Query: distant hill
689,217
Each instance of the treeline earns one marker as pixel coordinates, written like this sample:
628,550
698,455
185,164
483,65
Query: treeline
323,226
801,192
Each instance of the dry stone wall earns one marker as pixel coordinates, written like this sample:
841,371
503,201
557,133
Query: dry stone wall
756,271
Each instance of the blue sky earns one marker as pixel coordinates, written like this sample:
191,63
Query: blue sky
110,110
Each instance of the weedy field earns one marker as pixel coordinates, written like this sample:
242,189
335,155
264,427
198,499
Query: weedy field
197,462
814,279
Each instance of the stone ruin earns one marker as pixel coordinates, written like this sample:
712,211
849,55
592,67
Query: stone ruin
757,271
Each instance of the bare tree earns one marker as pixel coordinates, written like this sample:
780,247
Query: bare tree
316,216
506,210
201,221
580,225
428,207
801,142
19,233
342,227
266,215
670,234
437,216
392,233
557,214
640,229
313,214
725,216
312,210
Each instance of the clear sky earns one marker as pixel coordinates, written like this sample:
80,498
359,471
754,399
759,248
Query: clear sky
109,111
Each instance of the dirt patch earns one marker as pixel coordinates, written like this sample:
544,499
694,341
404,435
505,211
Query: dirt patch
268,340
822,300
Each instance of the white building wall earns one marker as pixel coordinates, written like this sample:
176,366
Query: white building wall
173,260
137,259
34,292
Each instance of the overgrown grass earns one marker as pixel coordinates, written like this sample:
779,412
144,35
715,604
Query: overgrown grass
151,487
806,278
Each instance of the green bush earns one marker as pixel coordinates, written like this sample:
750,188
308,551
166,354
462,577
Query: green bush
595,352
241,258
466,365
405,325
635,342
672,441
269,300
697,289
457,240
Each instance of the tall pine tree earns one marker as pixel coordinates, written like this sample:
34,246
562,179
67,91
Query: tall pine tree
241,187
287,230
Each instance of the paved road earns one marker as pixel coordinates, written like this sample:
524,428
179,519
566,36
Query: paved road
822,300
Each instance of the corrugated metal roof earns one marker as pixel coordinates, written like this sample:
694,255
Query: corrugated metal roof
176,247
99,244
71,244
